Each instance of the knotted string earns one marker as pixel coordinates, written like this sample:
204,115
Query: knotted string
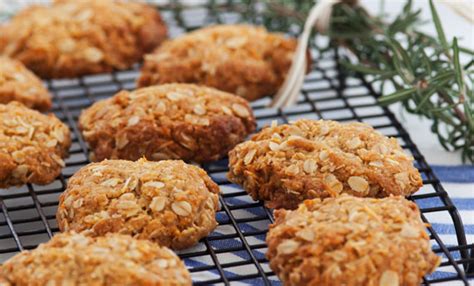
319,17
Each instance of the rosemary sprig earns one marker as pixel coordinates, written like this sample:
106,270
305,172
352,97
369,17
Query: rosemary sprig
425,71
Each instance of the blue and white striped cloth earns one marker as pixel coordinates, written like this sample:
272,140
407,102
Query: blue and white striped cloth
459,183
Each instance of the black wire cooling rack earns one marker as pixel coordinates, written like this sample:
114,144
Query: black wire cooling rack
235,251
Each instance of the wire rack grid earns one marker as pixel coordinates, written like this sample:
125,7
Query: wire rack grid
235,252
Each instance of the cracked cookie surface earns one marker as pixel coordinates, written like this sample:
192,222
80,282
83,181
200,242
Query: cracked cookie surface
168,202
286,164
74,38
17,83
171,121
351,241
242,59
75,259
32,146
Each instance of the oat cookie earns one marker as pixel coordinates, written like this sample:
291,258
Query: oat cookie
284,165
172,121
351,241
17,83
168,202
74,38
75,259
32,146
241,59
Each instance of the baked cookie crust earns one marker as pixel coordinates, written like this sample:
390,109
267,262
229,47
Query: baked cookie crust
171,121
17,83
284,165
75,259
75,38
169,202
245,60
351,241
32,146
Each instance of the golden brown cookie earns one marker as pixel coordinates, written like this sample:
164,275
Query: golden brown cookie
168,202
284,165
74,38
241,59
75,259
172,121
351,241
32,146
17,83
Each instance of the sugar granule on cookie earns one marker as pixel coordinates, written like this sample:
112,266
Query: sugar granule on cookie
171,121
169,202
351,241
32,146
115,259
284,165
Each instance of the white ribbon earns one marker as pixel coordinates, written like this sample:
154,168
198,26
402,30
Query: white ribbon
319,16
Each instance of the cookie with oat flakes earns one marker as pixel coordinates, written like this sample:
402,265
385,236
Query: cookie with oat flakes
168,202
351,241
284,165
32,146
242,59
17,83
75,259
75,38
171,121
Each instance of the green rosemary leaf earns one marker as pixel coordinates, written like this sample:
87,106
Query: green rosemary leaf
442,76
434,86
457,66
468,65
404,56
466,51
408,6
444,108
439,28
396,96
403,70
468,111
403,22
426,62
365,69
